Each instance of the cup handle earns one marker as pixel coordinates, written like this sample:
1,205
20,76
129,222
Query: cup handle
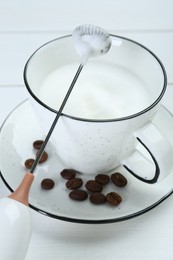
157,168
158,150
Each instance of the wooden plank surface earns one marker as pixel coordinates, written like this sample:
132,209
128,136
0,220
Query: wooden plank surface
25,25
58,15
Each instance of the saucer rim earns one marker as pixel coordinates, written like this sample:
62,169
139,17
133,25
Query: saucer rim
83,220
88,221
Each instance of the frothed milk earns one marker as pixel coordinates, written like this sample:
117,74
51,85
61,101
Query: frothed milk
103,91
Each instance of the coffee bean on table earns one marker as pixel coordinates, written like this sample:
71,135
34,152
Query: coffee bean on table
74,183
113,198
29,163
93,186
47,184
68,174
37,144
97,198
118,179
79,195
102,179
44,157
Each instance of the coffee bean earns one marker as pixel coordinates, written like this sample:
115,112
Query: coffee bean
102,179
113,198
44,157
68,174
37,144
79,195
47,184
97,198
74,183
93,186
29,163
118,179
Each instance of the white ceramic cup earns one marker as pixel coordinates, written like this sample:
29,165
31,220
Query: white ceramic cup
110,108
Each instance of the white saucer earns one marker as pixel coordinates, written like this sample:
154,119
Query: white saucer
17,134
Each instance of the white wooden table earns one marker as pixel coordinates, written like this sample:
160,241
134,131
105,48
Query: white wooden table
24,26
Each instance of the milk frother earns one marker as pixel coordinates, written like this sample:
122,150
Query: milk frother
15,216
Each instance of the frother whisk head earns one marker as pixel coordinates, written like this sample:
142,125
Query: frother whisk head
90,41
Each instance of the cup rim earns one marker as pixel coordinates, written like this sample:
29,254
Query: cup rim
98,120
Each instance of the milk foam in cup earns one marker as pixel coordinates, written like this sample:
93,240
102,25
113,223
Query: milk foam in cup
100,93
113,101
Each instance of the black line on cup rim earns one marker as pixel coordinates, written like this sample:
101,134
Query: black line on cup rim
98,120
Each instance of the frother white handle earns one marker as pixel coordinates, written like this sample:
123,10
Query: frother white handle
15,229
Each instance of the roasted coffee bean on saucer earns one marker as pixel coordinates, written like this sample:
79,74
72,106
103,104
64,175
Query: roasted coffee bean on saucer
93,186
29,162
44,157
37,144
102,178
74,183
47,184
79,195
97,198
118,179
68,174
113,198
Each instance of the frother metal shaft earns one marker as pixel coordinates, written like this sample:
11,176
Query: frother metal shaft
89,40
56,119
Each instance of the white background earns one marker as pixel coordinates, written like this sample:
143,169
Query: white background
27,24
